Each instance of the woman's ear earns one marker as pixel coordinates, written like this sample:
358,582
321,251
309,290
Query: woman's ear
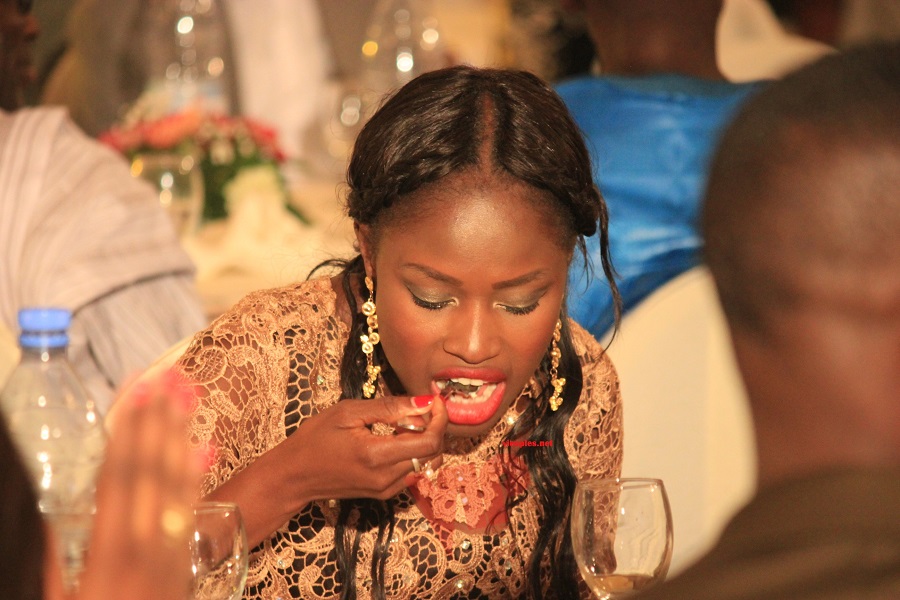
366,247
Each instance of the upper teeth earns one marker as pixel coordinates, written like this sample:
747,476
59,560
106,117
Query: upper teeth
467,381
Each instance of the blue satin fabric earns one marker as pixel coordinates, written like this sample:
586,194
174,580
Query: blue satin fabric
651,139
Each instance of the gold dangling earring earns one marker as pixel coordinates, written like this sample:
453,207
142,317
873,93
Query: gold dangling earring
558,383
369,341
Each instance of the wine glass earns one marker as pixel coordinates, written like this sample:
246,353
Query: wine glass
178,183
621,534
346,108
219,553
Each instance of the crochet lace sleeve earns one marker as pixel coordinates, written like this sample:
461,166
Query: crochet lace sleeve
594,433
238,367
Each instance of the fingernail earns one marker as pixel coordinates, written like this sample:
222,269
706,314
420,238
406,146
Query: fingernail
208,455
422,401
140,394
184,398
170,379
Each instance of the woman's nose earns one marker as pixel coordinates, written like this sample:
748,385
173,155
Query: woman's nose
473,335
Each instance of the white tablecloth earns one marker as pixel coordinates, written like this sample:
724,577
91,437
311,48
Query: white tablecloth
262,245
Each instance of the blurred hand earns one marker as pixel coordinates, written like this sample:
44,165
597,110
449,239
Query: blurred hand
149,480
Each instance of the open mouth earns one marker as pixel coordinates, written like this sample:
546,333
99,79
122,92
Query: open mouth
470,401
465,390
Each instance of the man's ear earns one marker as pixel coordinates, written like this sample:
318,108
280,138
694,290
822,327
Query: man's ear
366,247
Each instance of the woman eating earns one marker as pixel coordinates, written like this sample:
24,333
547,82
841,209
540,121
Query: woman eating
413,425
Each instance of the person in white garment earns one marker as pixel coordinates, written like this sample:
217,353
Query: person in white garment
277,58
78,231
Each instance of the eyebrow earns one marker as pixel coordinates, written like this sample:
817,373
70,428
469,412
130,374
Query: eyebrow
500,285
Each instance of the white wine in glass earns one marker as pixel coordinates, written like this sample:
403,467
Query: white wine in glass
219,552
621,534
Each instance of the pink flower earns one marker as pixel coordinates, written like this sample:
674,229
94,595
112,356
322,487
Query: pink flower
263,135
123,140
205,131
170,130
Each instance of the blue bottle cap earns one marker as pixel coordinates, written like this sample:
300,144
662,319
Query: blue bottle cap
44,327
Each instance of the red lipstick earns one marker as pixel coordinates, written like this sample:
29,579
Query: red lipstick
474,407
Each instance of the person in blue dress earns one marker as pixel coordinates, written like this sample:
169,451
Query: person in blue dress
651,119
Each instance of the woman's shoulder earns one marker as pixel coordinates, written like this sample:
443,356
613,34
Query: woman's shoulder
601,382
594,432
244,358
263,320
283,306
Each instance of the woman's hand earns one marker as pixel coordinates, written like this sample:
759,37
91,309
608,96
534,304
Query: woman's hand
345,459
148,482
334,455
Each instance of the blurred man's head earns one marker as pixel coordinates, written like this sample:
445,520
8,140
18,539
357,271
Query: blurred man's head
18,28
648,37
802,226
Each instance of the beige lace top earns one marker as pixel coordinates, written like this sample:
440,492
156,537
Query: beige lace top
272,361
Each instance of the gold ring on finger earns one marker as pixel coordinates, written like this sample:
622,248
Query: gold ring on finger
416,466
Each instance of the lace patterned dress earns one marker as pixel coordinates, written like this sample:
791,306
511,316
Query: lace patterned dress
273,360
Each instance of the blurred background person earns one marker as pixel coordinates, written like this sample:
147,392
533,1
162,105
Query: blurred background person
285,62
756,39
18,30
651,118
841,23
801,221
77,231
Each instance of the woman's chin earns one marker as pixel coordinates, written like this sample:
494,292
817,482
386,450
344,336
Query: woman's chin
458,430
468,420
470,415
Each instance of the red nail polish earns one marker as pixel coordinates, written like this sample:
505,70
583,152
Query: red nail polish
422,401
209,455
170,379
184,398
140,394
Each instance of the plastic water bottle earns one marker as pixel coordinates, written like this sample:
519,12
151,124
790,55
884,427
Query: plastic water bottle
58,432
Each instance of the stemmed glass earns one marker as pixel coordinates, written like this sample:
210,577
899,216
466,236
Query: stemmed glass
179,186
621,534
219,553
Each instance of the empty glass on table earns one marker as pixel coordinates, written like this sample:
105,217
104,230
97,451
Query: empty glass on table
621,534
219,552
178,183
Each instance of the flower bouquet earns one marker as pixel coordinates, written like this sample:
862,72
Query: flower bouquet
223,146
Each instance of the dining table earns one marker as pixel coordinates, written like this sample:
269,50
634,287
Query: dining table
262,244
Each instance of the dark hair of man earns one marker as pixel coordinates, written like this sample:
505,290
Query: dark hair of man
840,115
436,126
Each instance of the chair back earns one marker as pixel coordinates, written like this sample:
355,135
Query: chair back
686,418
